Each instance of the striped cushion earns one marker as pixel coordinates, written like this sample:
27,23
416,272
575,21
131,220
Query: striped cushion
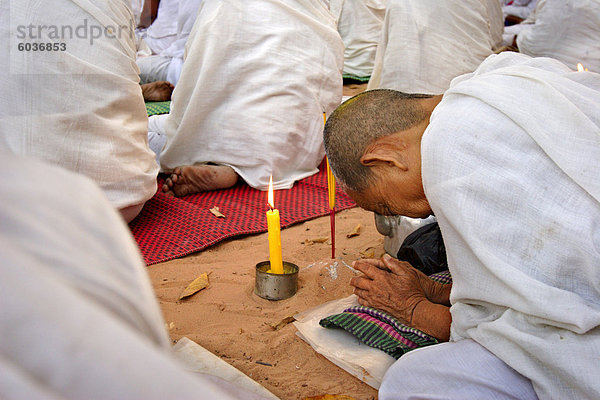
379,329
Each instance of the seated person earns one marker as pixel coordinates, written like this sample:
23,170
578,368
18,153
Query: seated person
509,37
166,38
516,11
81,108
256,81
568,31
507,162
78,316
359,25
157,90
427,43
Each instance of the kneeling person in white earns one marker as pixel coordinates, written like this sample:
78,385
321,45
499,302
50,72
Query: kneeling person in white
81,108
427,43
256,80
507,162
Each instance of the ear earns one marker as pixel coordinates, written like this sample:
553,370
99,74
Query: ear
385,151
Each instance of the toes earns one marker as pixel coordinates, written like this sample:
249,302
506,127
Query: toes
174,178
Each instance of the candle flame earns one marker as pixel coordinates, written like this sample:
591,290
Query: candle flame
270,196
580,67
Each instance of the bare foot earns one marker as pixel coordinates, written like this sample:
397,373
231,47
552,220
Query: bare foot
199,178
157,91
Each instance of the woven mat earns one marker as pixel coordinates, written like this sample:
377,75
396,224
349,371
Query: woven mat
158,107
169,227
350,78
380,330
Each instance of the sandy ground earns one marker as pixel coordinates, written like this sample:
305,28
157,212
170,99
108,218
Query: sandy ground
229,320
353,89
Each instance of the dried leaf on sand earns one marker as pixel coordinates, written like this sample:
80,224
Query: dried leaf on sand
322,239
197,285
354,232
369,252
282,323
215,211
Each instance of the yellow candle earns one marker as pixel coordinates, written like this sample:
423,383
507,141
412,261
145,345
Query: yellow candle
274,234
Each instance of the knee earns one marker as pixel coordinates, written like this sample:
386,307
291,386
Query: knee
130,212
401,380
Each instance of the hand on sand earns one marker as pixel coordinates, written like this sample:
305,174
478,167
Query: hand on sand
389,285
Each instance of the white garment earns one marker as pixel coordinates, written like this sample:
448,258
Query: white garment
510,169
81,108
78,317
257,77
186,16
360,25
454,371
153,68
163,30
568,31
521,9
136,8
166,65
510,32
427,43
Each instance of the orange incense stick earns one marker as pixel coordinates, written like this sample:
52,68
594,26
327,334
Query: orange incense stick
331,191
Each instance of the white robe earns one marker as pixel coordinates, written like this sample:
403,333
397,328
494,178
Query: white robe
78,316
81,108
166,64
568,31
510,169
163,30
521,9
360,25
136,8
186,16
257,77
427,43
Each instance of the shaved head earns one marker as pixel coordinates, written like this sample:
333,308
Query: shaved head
361,120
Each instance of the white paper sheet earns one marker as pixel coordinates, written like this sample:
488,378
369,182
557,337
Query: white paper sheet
341,348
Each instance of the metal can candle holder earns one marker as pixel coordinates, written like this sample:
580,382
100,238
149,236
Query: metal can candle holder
276,286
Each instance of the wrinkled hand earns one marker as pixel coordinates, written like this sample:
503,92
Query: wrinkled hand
389,285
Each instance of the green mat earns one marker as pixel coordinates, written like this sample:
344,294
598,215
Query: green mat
158,107
359,79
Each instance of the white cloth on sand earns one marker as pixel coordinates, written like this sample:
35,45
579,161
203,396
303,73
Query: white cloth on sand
427,43
454,371
78,317
510,169
81,108
257,77
360,25
568,31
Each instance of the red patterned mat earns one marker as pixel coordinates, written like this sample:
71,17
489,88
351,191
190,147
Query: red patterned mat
169,227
